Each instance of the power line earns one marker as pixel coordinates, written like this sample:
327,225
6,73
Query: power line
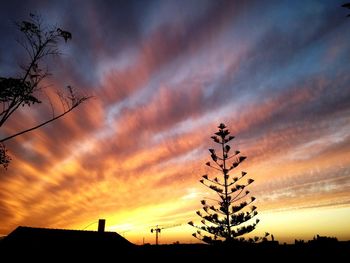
90,224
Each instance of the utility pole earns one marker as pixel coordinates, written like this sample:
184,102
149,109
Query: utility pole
158,229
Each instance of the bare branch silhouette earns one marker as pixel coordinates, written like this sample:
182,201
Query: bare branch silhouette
39,42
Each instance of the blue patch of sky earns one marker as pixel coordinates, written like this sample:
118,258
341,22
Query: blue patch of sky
167,12
187,157
266,81
116,63
221,114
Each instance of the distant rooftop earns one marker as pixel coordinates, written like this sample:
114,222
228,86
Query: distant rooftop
31,236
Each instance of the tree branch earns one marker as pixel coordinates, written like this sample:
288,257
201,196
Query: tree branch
46,122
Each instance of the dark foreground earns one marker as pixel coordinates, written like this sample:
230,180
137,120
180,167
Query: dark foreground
68,252
28,244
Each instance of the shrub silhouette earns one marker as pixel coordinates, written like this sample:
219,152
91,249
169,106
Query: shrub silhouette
227,220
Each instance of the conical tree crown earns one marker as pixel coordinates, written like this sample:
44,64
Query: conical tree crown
227,218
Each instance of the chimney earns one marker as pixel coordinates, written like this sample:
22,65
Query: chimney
101,225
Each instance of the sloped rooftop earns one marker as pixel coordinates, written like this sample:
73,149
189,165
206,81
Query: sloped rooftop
31,236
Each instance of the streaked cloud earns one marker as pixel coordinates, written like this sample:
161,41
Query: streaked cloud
163,76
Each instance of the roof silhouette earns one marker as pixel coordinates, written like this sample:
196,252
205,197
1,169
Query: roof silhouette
47,245
64,238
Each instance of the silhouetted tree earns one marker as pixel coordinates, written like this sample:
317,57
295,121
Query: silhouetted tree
347,5
227,219
39,42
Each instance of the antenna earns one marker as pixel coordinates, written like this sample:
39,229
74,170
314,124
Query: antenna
157,230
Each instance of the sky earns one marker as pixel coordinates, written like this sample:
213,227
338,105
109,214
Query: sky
163,76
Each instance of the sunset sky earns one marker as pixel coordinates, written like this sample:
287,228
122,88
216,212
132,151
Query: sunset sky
164,74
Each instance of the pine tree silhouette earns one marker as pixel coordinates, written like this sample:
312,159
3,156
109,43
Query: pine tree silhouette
228,218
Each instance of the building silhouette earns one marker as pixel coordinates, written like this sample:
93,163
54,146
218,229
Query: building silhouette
43,243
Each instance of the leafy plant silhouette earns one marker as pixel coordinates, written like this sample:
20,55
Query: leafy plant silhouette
39,42
227,219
